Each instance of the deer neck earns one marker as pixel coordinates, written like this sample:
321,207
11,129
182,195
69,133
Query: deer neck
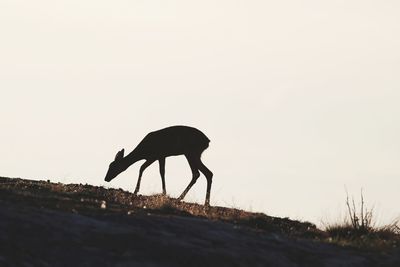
130,159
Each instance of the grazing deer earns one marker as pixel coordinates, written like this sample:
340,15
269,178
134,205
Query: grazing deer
171,141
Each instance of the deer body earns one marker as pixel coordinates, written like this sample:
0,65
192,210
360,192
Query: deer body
157,145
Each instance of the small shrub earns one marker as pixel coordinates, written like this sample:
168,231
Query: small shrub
361,221
359,230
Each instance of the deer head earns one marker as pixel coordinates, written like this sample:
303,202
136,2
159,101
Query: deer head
115,167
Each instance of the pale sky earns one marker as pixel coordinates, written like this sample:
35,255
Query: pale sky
299,98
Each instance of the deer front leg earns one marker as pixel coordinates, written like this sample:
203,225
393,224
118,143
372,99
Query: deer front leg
142,168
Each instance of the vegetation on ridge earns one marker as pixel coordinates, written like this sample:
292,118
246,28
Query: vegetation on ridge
94,200
359,230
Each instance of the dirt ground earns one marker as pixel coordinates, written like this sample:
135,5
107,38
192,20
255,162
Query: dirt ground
52,224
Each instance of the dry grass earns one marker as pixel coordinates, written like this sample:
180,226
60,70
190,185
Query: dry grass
87,199
359,230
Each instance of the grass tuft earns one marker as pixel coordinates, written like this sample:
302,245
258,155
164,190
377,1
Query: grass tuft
359,230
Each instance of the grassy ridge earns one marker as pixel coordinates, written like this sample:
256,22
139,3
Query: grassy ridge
93,200
88,199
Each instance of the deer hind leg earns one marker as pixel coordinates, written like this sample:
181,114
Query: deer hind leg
162,173
142,168
195,172
209,175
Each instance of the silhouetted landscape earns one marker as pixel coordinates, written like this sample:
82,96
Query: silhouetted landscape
266,131
54,224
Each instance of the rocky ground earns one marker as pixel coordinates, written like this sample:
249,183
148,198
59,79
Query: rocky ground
52,224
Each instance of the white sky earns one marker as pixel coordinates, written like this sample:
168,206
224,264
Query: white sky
299,98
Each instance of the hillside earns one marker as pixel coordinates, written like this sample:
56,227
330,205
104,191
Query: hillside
52,224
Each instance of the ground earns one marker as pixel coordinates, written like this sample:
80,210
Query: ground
52,224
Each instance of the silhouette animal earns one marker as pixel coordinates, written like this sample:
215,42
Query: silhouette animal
157,145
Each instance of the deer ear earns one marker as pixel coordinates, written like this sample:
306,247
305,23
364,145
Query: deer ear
119,155
116,156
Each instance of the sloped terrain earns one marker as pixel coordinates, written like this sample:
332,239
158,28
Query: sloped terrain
52,224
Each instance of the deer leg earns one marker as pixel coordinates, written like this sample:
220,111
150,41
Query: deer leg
142,168
162,173
209,175
195,173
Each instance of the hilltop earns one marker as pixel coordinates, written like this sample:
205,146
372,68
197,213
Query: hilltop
54,224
